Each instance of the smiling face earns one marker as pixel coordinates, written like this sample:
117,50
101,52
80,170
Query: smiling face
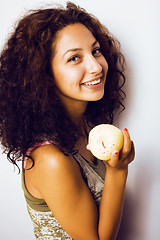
78,66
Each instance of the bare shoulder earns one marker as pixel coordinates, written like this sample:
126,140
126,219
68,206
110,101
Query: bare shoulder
58,180
50,165
51,157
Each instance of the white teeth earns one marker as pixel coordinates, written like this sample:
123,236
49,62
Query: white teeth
93,82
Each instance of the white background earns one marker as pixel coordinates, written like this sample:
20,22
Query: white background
136,24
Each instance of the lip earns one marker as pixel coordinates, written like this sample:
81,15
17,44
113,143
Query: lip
93,79
94,86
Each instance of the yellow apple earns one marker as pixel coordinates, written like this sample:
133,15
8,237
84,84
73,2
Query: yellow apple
103,140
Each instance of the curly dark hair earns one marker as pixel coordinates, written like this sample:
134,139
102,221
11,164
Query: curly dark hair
30,110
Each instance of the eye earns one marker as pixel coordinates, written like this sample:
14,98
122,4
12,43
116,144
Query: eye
97,51
74,58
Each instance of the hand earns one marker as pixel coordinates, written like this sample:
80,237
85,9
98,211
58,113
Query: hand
120,160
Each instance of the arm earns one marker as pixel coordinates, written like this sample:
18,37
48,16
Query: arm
59,182
111,206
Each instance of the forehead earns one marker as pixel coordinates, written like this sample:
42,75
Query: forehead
73,36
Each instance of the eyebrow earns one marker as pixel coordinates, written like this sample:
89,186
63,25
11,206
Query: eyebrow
79,49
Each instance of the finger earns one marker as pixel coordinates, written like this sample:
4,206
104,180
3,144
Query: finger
131,155
132,152
127,144
113,162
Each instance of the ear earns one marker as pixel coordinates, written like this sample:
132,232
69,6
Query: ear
88,147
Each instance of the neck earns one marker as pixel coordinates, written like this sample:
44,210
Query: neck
75,109
76,115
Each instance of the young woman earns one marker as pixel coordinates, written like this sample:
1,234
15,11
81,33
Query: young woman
61,73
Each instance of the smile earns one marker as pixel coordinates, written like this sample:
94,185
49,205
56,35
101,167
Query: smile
93,82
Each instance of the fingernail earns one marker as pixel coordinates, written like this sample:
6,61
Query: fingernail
125,130
116,152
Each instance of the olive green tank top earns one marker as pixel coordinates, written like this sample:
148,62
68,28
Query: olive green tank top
44,222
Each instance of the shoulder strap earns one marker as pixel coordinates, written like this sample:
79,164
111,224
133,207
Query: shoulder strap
34,147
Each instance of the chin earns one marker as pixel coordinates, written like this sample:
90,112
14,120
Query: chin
98,97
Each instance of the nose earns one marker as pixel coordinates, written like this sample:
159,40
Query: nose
92,65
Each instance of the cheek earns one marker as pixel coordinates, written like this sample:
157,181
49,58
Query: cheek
105,66
67,75
72,74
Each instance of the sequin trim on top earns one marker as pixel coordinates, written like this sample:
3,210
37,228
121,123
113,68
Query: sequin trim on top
46,227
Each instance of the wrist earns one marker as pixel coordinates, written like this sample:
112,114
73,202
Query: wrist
117,173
